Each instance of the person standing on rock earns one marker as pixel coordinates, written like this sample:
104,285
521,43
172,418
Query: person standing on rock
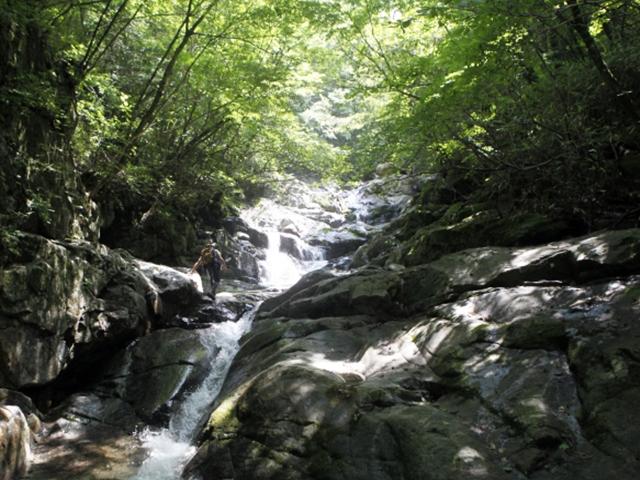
211,262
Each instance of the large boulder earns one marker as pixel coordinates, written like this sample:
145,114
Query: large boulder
297,248
337,243
394,291
258,238
178,298
467,226
235,225
382,199
292,246
490,363
170,292
15,443
157,370
243,254
376,251
62,303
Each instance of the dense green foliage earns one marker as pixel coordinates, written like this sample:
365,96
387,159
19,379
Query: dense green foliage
186,107
531,104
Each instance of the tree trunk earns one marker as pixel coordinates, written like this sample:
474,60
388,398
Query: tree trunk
581,26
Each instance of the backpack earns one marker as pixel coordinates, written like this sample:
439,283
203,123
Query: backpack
215,258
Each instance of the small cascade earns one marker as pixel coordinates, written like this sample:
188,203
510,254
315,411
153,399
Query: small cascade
170,448
280,270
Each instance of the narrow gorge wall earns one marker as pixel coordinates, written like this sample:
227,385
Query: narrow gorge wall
40,189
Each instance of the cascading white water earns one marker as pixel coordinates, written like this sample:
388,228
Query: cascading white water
170,448
279,270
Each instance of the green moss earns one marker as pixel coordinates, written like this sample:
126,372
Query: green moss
224,417
632,293
467,226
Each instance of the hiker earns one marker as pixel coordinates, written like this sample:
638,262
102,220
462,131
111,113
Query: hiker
211,261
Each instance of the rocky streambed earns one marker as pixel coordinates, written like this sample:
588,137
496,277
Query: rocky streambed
421,343
110,364
488,363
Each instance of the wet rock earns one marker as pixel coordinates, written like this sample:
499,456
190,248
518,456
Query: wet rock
294,247
330,219
364,292
289,244
305,282
379,201
339,242
171,283
81,446
242,257
343,264
175,290
383,213
487,363
235,225
176,300
258,238
156,371
467,226
91,409
375,251
286,226
60,302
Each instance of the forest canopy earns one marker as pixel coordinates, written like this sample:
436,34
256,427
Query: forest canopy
178,104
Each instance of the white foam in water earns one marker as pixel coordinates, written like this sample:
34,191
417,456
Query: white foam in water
170,448
166,456
279,269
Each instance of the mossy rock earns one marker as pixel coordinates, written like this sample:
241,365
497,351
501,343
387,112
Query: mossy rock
415,218
477,229
374,251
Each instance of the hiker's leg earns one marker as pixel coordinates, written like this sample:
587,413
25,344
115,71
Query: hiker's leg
214,287
215,279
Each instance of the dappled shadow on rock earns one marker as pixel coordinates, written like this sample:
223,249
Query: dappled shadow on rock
84,449
492,363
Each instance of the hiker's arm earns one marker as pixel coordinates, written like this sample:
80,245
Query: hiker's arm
196,265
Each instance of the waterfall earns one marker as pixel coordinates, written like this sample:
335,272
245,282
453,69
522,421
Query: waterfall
170,448
278,270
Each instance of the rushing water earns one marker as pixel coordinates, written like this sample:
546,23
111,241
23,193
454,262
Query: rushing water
170,448
279,270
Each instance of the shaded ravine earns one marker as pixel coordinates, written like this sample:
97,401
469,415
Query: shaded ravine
137,413
169,449
287,258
